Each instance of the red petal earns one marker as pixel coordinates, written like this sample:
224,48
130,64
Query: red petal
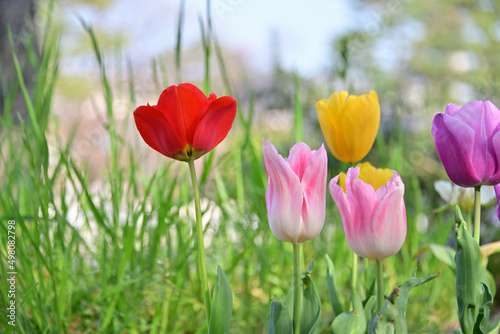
157,131
183,106
213,128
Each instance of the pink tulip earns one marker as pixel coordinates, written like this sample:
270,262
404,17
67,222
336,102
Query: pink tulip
374,221
296,191
468,142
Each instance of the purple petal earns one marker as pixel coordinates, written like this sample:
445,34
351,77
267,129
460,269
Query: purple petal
454,140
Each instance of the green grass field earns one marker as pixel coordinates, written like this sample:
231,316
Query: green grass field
120,257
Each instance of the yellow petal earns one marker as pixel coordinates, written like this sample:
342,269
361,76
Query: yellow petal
376,177
349,124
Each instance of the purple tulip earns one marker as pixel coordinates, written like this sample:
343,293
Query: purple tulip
296,191
468,142
374,220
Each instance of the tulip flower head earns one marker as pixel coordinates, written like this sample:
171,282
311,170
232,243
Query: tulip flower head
374,219
185,124
467,140
295,195
349,124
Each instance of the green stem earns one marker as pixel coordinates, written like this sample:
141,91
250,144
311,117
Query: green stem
380,285
201,247
477,213
354,275
297,289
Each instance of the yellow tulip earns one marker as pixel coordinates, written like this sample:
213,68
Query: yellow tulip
349,124
376,177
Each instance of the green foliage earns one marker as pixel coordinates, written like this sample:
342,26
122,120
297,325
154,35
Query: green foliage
473,296
222,305
392,317
282,313
119,257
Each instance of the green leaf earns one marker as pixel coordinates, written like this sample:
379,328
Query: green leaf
222,305
495,328
444,254
311,304
332,290
392,317
346,323
351,322
281,321
481,325
468,267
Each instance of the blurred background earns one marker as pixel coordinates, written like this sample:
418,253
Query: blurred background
103,58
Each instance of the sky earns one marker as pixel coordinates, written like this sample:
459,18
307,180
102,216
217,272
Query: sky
304,29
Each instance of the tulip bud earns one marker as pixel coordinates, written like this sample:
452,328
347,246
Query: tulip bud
467,140
295,195
374,220
349,124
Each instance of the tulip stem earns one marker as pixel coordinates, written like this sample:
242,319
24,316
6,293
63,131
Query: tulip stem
201,247
477,213
380,285
354,275
297,289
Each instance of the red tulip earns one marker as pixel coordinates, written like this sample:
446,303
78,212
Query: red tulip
185,124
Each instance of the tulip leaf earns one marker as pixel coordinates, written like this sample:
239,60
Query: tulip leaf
392,317
332,290
311,304
351,322
484,311
495,328
222,305
280,321
468,268
346,323
444,254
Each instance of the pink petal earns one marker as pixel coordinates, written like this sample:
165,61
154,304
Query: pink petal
389,220
298,158
314,190
283,196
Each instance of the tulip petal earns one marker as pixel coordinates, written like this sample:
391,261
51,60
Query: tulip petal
452,109
183,106
283,196
298,159
346,210
328,127
157,131
454,142
389,217
215,125
314,190
483,118
360,123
